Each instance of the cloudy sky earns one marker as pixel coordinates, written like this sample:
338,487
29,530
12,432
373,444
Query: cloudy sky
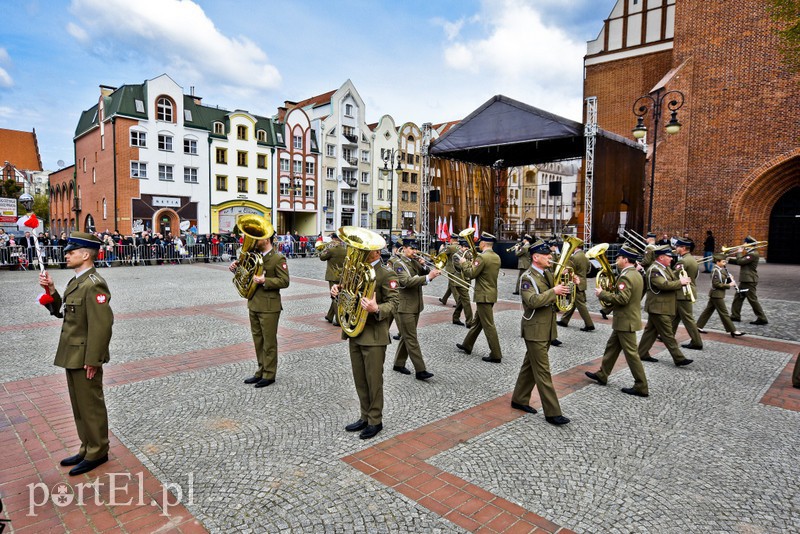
417,60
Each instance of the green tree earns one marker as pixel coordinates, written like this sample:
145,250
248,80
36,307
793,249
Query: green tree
9,188
41,207
787,14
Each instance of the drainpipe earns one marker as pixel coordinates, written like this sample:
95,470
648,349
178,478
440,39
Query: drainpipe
208,230
114,142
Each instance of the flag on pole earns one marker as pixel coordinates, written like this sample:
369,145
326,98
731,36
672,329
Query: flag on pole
477,227
470,225
438,227
451,225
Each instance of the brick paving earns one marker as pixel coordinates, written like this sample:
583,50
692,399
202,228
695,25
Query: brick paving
453,456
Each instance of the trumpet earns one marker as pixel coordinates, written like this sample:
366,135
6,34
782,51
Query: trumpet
439,262
515,247
757,244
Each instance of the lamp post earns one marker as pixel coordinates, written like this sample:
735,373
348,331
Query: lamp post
389,158
654,103
297,191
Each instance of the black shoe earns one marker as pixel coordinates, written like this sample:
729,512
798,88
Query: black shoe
759,322
401,369
444,302
648,359
562,323
72,460
355,427
396,336
587,329
631,391
371,431
251,380
685,361
604,314
735,320
462,347
87,465
335,322
692,347
737,334
264,382
329,320
491,360
556,343
702,331
459,323
557,420
515,293
594,377
523,407
424,375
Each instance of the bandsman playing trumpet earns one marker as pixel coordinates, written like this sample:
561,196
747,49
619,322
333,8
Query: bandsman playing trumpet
747,260
449,250
333,253
721,281
522,251
460,291
685,298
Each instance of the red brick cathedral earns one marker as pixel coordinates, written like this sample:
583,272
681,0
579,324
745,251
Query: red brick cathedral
734,166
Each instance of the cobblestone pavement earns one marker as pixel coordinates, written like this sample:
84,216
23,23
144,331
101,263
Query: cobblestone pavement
713,449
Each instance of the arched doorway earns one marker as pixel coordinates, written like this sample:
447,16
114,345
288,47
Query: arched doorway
784,226
88,224
166,221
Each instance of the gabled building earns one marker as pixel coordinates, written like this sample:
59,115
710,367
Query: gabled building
410,150
385,173
21,161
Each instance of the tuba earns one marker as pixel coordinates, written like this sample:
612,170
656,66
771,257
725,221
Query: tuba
563,274
358,277
250,263
605,278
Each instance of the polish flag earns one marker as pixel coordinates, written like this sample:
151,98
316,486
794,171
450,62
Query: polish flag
477,228
450,230
470,225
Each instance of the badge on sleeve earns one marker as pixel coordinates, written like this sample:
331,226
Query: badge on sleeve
475,263
101,298
525,285
621,286
393,284
284,266
399,270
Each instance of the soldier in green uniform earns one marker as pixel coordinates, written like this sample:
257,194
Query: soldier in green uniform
368,349
334,254
747,260
83,347
662,286
688,264
484,269
625,299
450,249
411,276
721,281
461,291
539,293
580,266
265,310
523,258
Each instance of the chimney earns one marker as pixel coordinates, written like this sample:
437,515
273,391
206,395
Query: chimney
106,90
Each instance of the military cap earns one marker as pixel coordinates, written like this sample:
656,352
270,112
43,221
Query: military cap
488,237
719,256
749,239
662,249
454,236
410,242
651,235
683,242
540,247
463,242
335,236
628,251
528,237
82,240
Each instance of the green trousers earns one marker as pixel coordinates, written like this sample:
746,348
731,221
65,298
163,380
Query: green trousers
717,304
462,304
752,298
367,364
89,412
409,344
333,308
535,372
264,328
625,342
583,310
660,325
484,322
685,315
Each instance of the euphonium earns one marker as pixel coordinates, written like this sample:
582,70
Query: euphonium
467,235
605,278
250,264
563,274
358,277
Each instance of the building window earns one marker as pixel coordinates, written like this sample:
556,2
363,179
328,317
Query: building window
404,196
413,196
222,155
330,150
138,169
310,167
261,161
297,142
309,191
241,133
190,175
329,196
261,187
297,167
219,128
364,177
365,156
241,184
190,147
329,173
164,109
380,194
165,173
284,165
364,201
347,197
405,177
165,142
222,183
138,138
261,136
105,209
139,106
187,115
241,158
413,177
348,110
348,177
284,189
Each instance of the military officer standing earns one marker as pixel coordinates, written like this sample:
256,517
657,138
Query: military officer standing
720,282
685,311
580,266
662,286
538,329
411,276
83,347
449,250
264,309
334,254
484,269
523,258
368,349
460,291
747,260
625,299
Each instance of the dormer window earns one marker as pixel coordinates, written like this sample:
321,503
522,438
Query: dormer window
219,128
241,133
164,109
262,136
348,110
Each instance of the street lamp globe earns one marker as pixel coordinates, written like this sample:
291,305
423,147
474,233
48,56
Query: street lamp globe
640,130
27,201
673,126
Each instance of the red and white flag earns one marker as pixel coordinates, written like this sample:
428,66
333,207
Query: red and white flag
450,230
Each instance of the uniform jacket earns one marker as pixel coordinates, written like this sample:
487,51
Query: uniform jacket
719,283
484,269
691,268
748,266
662,287
267,297
626,299
538,305
523,257
450,250
334,255
580,266
86,331
410,279
376,328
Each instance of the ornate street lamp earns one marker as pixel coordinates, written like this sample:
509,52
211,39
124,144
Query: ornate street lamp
389,158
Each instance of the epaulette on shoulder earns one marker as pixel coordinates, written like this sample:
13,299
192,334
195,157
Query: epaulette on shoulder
94,279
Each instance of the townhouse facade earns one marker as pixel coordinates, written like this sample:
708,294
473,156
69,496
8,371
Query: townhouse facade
298,176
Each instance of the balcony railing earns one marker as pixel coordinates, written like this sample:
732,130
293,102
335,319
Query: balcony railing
76,204
353,138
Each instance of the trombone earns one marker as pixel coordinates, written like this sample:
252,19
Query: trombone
635,239
439,262
757,244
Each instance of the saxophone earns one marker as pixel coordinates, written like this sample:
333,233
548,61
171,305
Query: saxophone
358,277
605,278
250,264
563,274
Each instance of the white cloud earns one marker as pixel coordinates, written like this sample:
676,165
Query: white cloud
177,34
5,77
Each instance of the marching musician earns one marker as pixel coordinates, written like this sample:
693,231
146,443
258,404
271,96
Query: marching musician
580,266
625,299
411,276
264,308
685,312
555,254
522,251
539,293
450,249
747,260
461,291
721,281
334,254
662,286
484,269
